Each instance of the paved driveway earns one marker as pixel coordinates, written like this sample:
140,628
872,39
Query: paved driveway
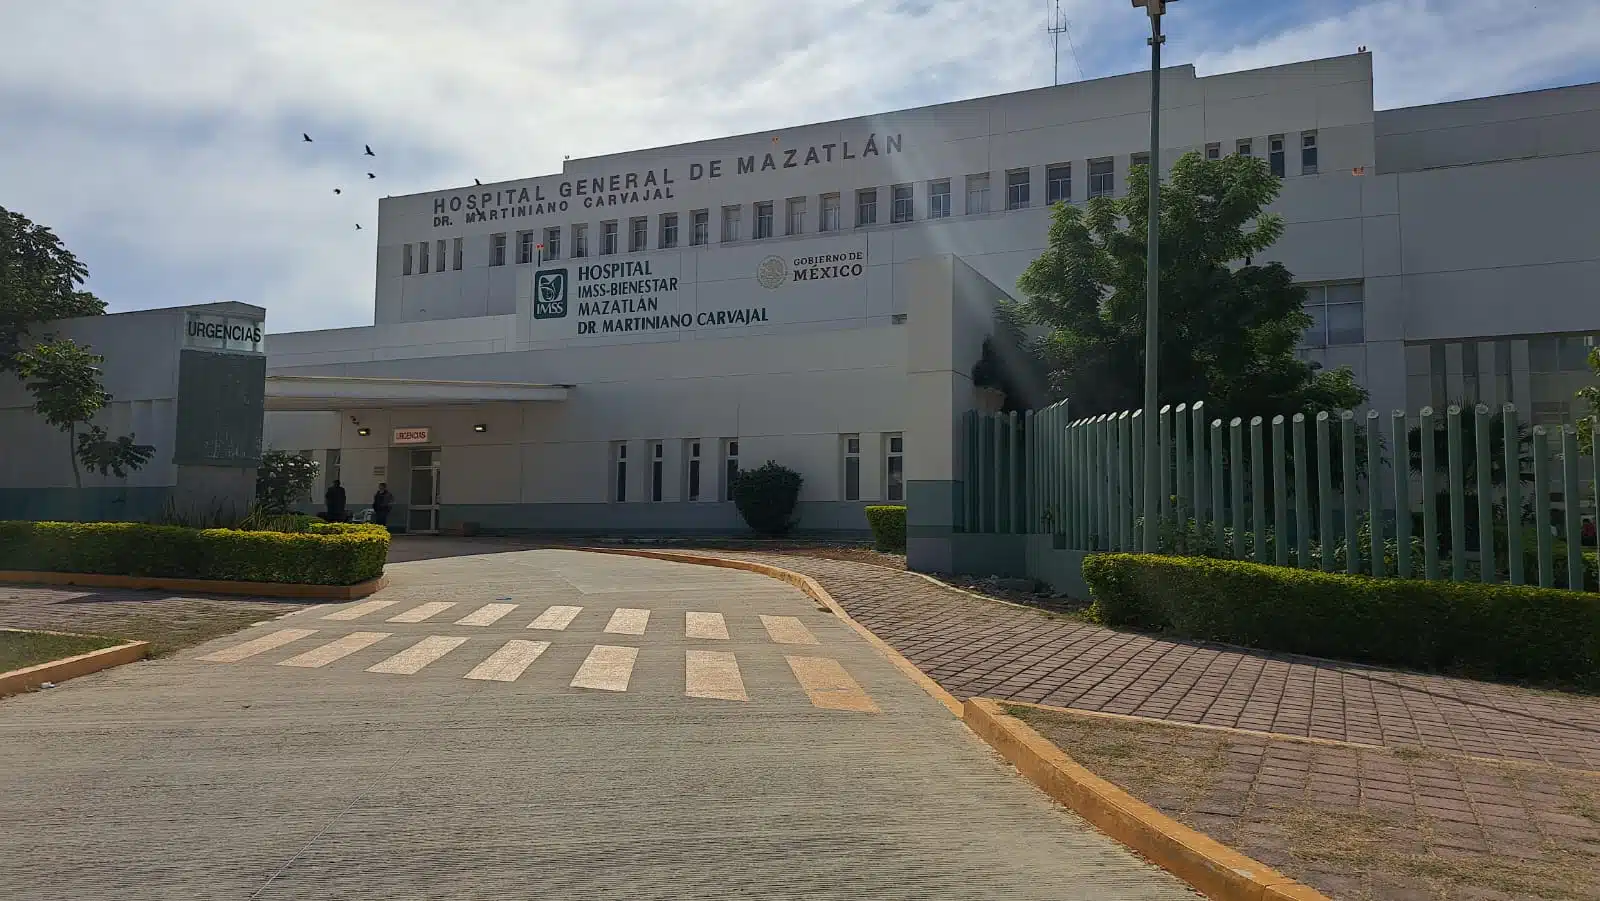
535,724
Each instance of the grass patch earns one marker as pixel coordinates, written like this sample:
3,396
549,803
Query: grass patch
24,649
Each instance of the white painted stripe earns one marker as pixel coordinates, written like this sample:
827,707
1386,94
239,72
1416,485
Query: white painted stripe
258,646
360,610
704,625
335,650
712,674
423,612
787,630
507,664
628,621
419,655
556,618
607,668
829,686
486,615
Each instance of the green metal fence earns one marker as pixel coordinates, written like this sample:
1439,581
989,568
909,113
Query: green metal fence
1396,495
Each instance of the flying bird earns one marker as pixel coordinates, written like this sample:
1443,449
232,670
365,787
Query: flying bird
305,137
369,149
358,226
337,191
370,175
476,182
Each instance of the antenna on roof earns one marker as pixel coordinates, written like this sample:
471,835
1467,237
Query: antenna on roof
1056,27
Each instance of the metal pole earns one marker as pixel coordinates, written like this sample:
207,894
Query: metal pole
1152,283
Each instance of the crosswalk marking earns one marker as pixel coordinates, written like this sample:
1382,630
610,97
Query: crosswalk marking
556,618
607,668
360,610
829,686
258,646
704,625
335,650
712,674
507,664
628,621
423,612
486,615
787,630
419,655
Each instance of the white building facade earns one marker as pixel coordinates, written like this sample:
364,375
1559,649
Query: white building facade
597,349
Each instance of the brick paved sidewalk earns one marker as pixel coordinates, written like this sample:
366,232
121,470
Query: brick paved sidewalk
979,647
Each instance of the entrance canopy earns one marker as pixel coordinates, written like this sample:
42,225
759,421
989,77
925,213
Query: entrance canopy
333,392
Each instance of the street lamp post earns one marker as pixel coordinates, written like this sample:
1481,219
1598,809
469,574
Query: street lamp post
1152,280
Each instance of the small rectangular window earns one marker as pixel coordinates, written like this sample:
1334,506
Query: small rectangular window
497,249
795,215
580,240
1242,148
669,230
456,252
977,194
1019,182
1213,151
1337,313
1058,183
638,234
866,207
730,466
1308,153
692,489
1102,178
763,220
620,472
852,467
1275,154
939,199
902,209
701,233
524,247
406,260
830,213
439,260
422,257
1138,159
657,467
731,216
552,243
894,469
608,237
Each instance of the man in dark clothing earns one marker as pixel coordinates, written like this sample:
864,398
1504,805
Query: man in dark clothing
334,498
381,502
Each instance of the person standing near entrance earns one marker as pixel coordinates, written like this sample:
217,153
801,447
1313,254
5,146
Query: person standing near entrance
334,498
381,503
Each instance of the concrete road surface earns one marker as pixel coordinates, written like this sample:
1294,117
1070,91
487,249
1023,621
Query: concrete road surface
532,724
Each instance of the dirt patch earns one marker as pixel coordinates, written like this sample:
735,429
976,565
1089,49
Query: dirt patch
168,622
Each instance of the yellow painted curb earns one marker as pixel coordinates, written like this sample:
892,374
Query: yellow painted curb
1211,867
30,677
204,586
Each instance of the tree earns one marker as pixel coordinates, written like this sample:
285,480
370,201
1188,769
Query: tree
1228,327
766,497
282,479
1591,394
39,279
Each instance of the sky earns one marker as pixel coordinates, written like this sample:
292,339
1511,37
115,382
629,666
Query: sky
161,139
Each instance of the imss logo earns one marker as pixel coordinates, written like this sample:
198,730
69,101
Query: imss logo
550,294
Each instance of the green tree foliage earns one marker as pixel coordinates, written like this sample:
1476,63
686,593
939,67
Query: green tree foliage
282,479
1591,394
1228,327
39,279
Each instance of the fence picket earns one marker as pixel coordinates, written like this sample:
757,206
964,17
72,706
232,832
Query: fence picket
1430,498
1217,507
1375,496
1137,504
1487,571
1572,498
1401,470
1347,443
1180,445
1236,482
1280,488
1124,496
1541,504
1325,491
1197,413
1512,436
1302,502
1258,491
1458,494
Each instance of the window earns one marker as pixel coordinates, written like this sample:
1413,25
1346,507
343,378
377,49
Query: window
1138,159
1243,147
552,243
620,471
763,220
657,462
457,254
1213,151
497,249
580,240
692,489
1336,313
795,216
902,209
422,258
730,222
1275,154
669,230
894,468
852,467
608,237
1308,153
638,234
939,199
524,247
830,213
730,466
406,261
1559,353
1018,183
866,207
1058,183
438,265
977,194
701,227
1102,181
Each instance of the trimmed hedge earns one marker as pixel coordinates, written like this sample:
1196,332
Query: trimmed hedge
1504,631
324,554
888,528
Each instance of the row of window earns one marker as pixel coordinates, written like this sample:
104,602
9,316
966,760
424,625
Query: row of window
764,223
694,488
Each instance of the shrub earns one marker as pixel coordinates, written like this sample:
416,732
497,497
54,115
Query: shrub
888,528
766,497
1506,631
282,479
325,554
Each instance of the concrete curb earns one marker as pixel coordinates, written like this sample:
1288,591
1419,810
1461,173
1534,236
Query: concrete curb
30,677
202,586
1217,871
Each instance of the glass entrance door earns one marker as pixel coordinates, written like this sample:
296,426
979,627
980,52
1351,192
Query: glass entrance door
423,513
